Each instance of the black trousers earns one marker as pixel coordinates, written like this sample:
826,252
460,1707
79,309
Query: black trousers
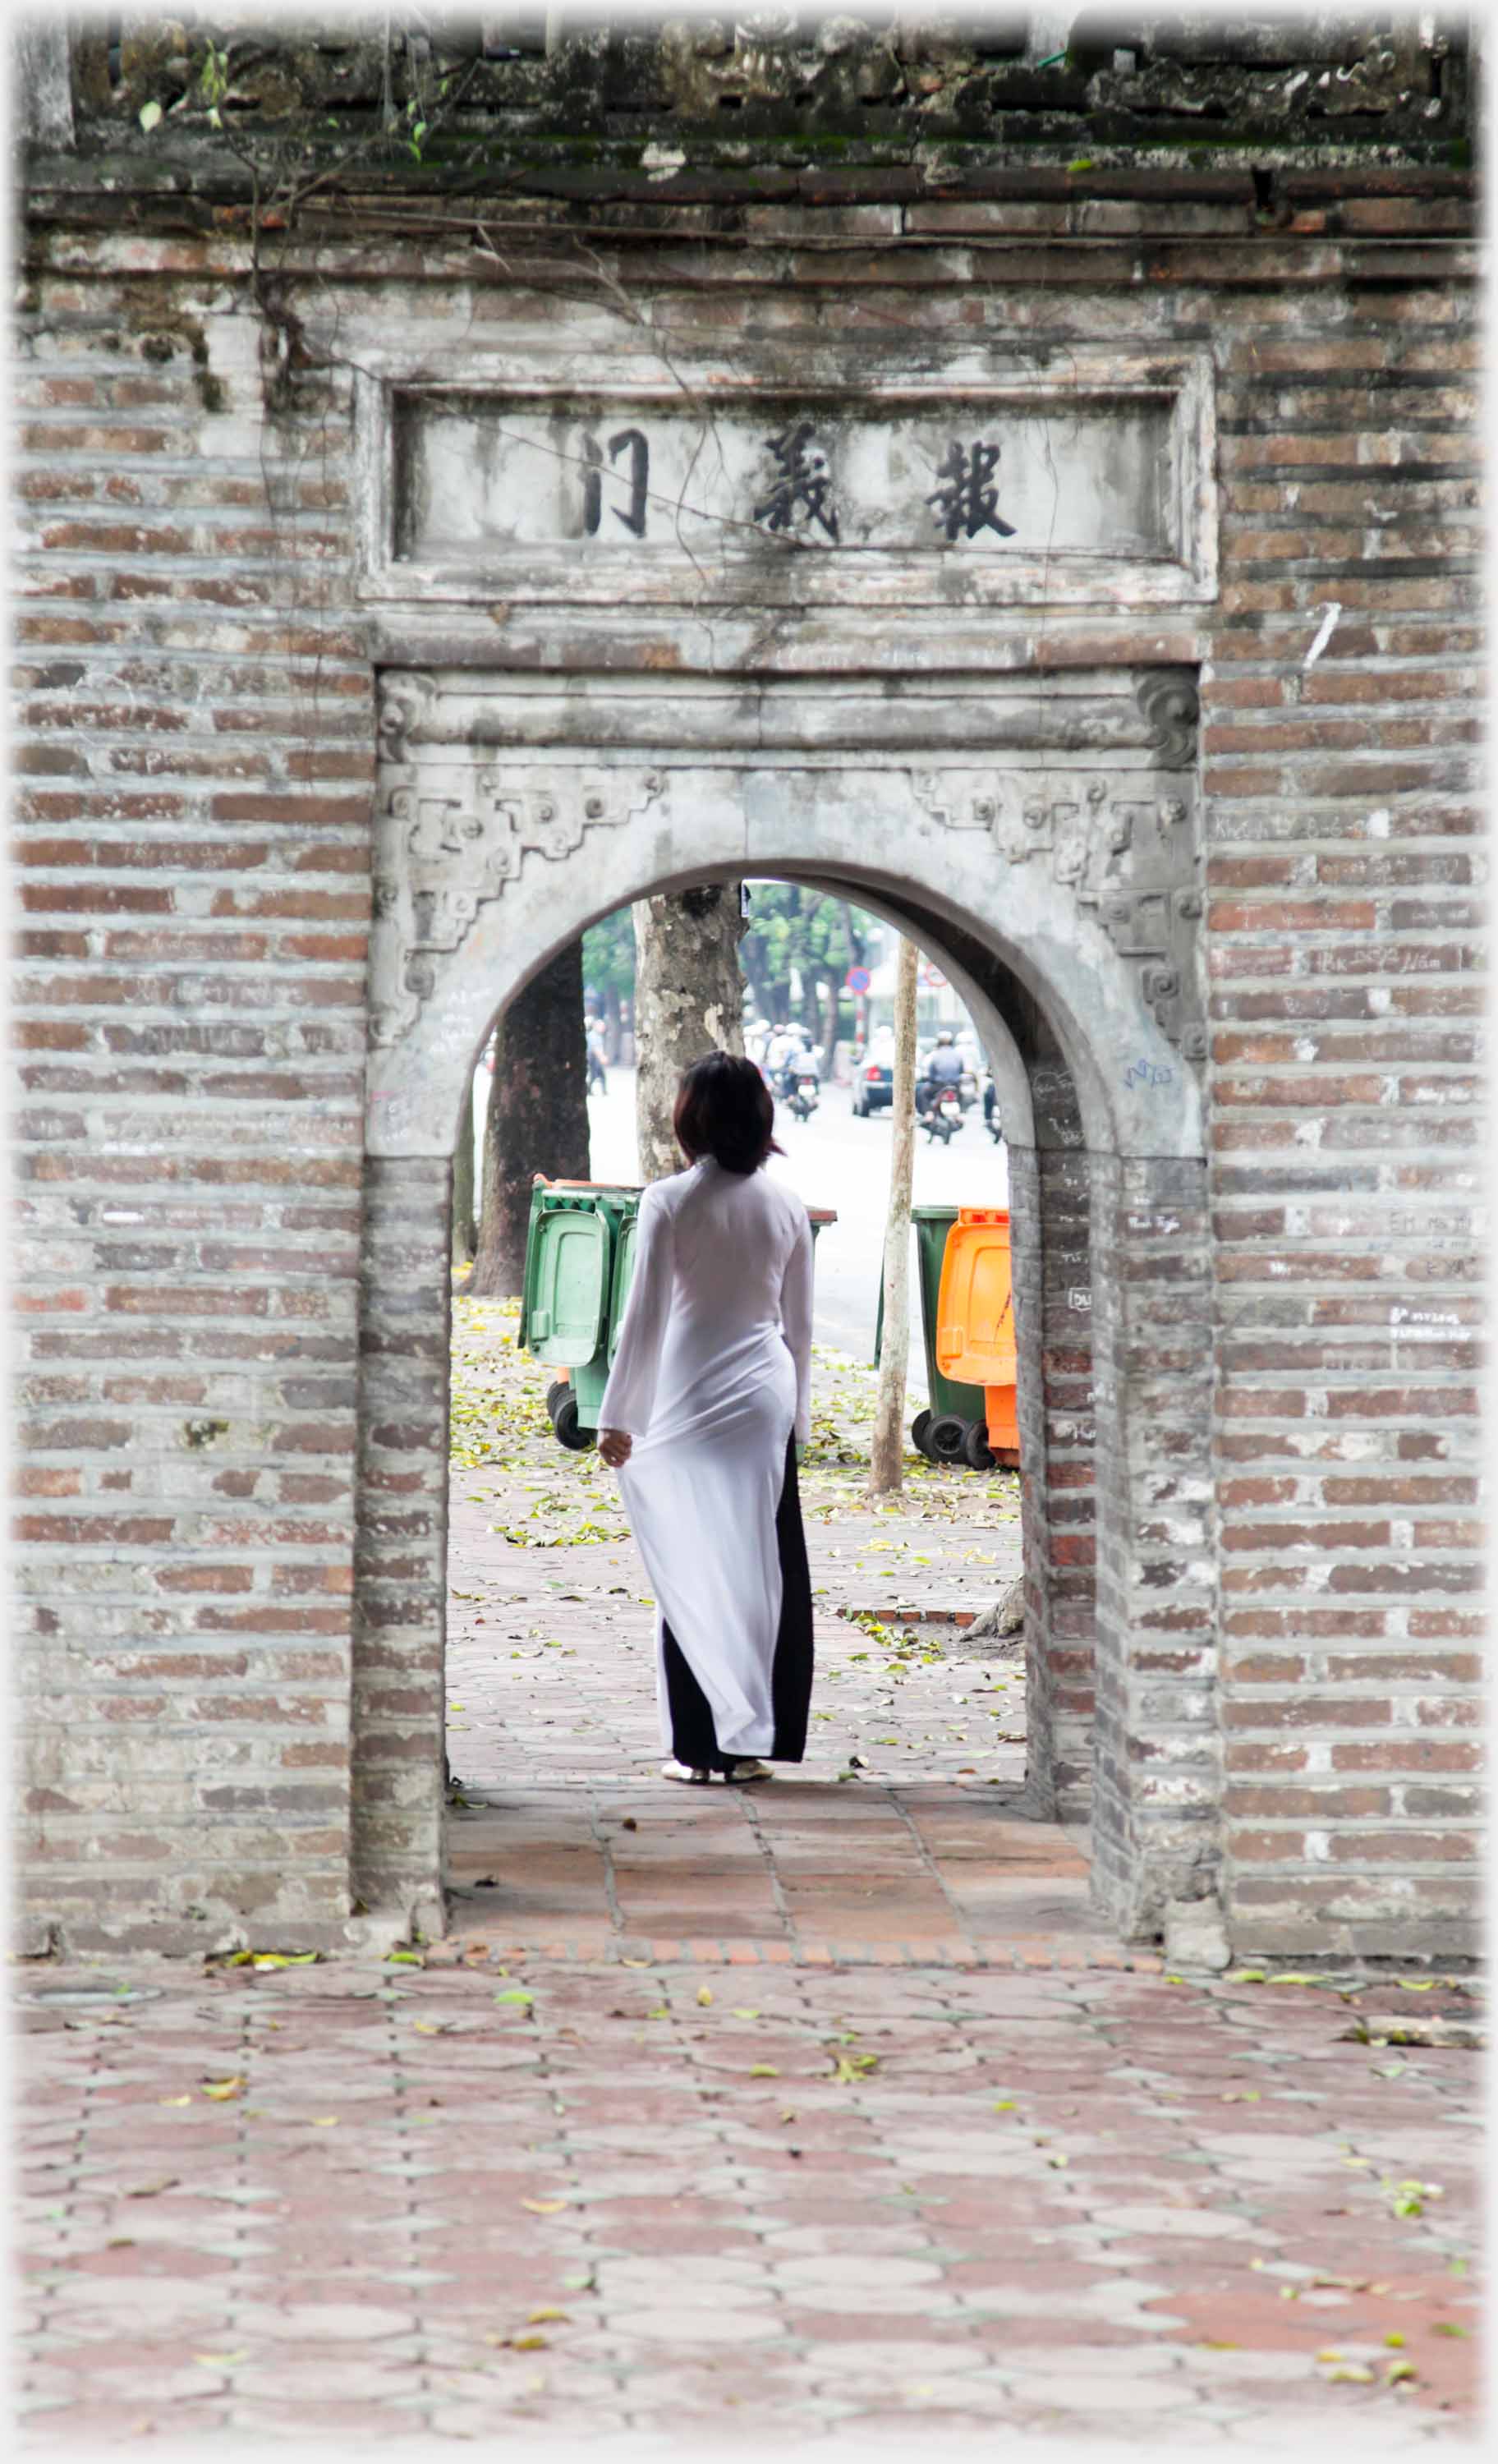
693,1739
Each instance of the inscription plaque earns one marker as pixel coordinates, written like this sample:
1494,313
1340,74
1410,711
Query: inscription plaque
616,480
1087,480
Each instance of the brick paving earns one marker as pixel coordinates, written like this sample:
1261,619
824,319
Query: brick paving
827,2105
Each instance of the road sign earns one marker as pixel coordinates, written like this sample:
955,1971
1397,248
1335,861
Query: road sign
857,979
932,978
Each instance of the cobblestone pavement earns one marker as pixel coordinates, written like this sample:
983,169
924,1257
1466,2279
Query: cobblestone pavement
826,2106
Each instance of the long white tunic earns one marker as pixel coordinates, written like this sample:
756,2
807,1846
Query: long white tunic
712,1377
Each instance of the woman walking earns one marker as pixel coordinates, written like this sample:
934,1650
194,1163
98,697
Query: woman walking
710,1388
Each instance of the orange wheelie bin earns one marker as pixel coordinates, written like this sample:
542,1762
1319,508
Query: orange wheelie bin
975,1327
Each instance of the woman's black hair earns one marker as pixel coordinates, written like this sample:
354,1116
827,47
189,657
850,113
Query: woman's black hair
725,1110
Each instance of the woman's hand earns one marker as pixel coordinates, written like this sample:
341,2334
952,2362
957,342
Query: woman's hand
616,1446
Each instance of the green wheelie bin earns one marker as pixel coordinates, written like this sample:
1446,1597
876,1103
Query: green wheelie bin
940,1432
579,1264
579,1256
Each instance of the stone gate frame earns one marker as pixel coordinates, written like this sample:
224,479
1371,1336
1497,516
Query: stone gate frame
1040,835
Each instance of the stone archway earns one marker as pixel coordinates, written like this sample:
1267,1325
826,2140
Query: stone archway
1043,839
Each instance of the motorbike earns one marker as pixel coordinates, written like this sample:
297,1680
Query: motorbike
991,1120
967,1091
801,1097
943,1116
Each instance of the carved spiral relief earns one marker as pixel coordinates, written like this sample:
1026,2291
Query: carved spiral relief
1168,699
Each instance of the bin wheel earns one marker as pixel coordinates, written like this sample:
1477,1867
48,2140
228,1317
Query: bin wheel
572,1435
946,1438
920,1434
556,1394
976,1449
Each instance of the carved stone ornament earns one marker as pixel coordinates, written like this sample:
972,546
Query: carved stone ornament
452,833
1168,699
1131,862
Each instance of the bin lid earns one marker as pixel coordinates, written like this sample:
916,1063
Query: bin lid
609,1188
974,1342
567,1282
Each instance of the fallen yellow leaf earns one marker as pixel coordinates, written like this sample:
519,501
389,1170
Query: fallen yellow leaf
545,2206
221,2090
541,2318
704,1994
174,2099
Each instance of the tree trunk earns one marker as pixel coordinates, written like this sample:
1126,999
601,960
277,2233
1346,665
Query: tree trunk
464,1229
831,1018
536,1119
888,1452
688,1001
611,1027
755,967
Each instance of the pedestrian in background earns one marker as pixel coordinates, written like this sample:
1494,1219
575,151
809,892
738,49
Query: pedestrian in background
710,1390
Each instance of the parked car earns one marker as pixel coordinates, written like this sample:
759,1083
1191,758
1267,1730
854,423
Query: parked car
874,1078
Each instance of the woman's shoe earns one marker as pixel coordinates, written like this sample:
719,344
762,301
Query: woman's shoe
674,1770
737,1772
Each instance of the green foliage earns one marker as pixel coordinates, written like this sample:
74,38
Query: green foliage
796,930
609,955
792,930
213,84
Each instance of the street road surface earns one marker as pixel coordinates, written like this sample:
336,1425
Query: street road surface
834,1161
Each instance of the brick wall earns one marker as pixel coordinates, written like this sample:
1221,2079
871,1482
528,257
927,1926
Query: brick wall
1344,934
400,1632
194,829
1053,1269
1155,1829
192,817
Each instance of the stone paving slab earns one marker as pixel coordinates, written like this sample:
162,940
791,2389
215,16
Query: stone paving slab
1048,2204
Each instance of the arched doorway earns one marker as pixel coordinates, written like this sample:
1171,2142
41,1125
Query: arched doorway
1041,842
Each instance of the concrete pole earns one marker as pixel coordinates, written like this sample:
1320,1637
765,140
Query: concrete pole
887,1454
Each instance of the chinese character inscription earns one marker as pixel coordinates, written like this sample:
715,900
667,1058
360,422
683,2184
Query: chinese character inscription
751,480
632,516
967,501
801,489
